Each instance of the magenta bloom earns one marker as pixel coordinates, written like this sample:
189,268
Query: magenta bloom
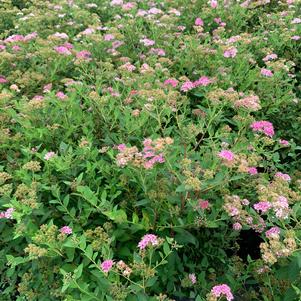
62,50
198,22
147,42
283,142
187,86
262,206
66,230
252,171
148,239
204,204
202,81
7,214
226,155
192,278
296,38
230,53
273,232
61,95
237,226
213,3
3,80
171,81
222,289
107,265
49,155
283,176
265,127
84,54
266,72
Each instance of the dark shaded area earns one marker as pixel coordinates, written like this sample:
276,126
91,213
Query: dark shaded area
249,241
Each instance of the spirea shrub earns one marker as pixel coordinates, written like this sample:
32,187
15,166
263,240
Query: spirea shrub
150,150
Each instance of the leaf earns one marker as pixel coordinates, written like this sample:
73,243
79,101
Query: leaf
78,271
150,282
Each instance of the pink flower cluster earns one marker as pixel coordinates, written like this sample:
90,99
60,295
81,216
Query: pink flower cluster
171,81
222,290
230,52
20,38
66,230
147,42
202,81
192,278
107,265
49,155
283,176
226,155
84,55
251,102
148,239
148,157
266,72
7,214
265,127
273,232
262,206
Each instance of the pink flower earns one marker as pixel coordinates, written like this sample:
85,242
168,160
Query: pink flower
187,86
226,155
157,51
283,176
262,206
213,3
62,50
270,57
84,54
3,80
61,95
295,38
266,72
8,214
283,142
192,278
49,155
263,126
203,204
252,170
273,232
202,81
296,21
222,289
66,230
281,207
148,239
171,81
198,22
231,52
108,37
237,226
147,42
121,147
47,88
107,265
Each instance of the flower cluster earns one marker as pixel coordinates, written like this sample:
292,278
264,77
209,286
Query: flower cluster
152,153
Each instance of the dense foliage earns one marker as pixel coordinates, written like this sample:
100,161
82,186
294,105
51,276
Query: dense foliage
150,150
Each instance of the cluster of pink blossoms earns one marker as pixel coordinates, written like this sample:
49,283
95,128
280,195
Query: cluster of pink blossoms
262,126
49,155
251,102
202,81
222,290
283,176
7,214
279,205
226,155
148,239
273,232
107,265
66,230
230,52
148,157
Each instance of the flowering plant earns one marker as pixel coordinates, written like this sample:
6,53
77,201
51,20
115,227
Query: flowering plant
150,150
